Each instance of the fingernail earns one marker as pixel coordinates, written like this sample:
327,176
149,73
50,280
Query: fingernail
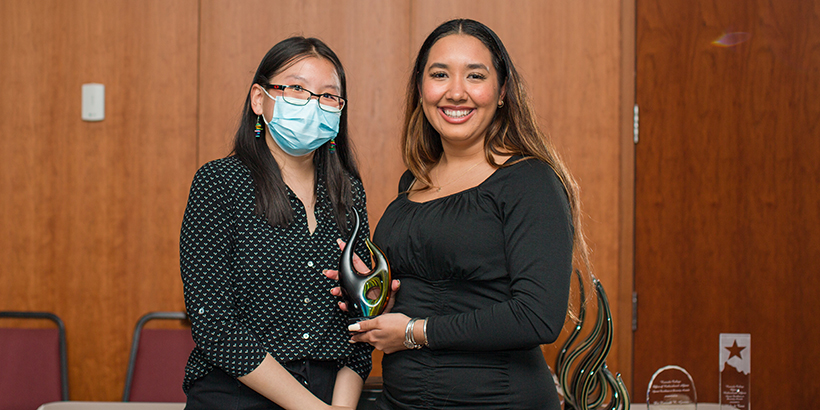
354,327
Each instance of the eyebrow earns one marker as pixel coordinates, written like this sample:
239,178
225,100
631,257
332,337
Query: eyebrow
304,80
472,66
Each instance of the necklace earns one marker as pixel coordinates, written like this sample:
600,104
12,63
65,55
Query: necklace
438,188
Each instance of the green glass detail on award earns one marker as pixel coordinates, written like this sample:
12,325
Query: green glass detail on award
591,382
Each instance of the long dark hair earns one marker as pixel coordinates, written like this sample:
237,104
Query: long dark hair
513,130
333,168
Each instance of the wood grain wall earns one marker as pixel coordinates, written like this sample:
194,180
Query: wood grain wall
90,212
726,190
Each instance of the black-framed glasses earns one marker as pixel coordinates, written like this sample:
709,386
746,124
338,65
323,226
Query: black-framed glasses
296,95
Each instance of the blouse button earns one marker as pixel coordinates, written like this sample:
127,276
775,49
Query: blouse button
307,300
310,264
201,311
305,336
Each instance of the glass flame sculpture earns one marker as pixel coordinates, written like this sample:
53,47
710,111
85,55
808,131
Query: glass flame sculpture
582,373
357,286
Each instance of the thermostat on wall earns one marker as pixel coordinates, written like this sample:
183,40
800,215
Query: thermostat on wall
93,102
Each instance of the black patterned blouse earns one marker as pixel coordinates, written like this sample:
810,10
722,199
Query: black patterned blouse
252,289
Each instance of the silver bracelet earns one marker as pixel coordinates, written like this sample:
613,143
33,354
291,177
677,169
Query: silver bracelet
409,340
426,340
413,334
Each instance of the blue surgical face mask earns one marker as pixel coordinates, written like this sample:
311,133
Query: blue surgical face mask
300,129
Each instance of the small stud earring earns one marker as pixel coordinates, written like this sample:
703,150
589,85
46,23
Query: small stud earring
258,130
500,103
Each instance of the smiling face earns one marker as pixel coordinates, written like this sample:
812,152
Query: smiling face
459,89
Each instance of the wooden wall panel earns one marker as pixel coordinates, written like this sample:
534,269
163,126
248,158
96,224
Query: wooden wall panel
626,191
90,212
569,56
726,193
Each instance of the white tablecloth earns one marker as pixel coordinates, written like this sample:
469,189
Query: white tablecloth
103,405
108,405
701,406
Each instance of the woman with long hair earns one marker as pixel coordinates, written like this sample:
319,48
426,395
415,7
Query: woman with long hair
259,228
484,235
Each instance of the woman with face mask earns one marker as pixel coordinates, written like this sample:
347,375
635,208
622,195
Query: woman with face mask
260,227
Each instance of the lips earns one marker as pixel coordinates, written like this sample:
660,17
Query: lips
456,115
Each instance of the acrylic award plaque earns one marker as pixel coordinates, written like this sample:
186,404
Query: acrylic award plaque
735,370
671,388
359,288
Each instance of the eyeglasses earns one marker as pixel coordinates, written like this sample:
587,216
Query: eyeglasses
296,95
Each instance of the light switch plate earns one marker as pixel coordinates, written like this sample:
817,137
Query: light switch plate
93,102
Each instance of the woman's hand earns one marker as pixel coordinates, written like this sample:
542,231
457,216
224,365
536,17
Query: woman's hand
384,332
360,266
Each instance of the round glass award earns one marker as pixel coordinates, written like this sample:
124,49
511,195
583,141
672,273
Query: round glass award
671,388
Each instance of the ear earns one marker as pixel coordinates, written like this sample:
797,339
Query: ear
257,99
502,93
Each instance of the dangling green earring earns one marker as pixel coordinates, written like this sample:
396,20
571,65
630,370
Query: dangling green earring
258,131
332,148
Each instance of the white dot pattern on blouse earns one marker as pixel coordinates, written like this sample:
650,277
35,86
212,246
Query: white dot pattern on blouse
252,289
